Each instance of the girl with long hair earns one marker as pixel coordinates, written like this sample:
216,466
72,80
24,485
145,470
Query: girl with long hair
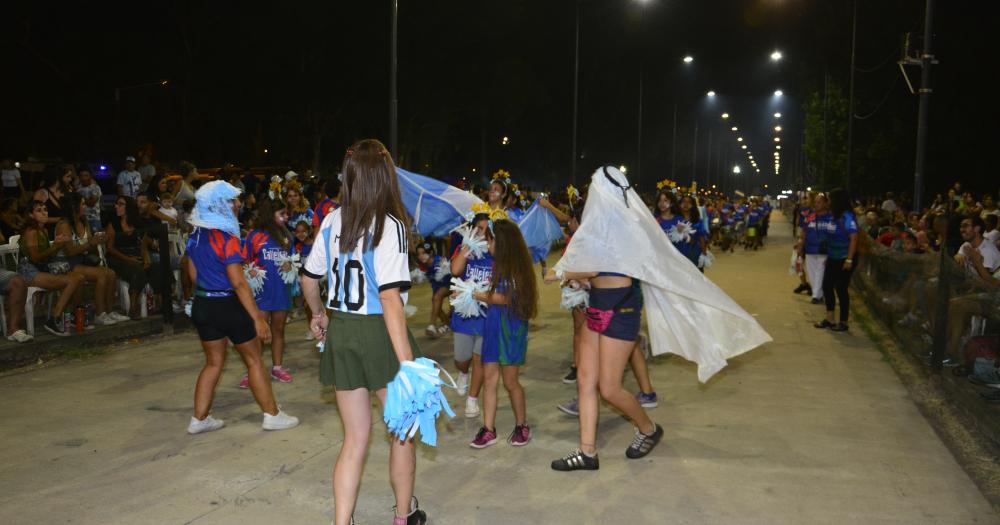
839,230
693,244
128,253
512,301
298,206
43,264
224,309
81,253
429,264
362,248
268,248
57,184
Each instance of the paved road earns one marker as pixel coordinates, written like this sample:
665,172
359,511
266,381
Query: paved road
812,428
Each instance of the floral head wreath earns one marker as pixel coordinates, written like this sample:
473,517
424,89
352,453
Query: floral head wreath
502,176
275,190
666,184
493,214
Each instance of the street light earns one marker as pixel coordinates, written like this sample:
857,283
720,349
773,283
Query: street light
778,146
776,56
777,128
688,59
504,141
623,169
777,139
778,92
710,94
739,139
725,116
736,170
744,146
734,128
777,115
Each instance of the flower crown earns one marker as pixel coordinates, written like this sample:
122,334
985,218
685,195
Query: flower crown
501,176
666,183
572,193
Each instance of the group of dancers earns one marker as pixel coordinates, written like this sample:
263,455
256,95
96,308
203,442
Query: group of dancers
361,251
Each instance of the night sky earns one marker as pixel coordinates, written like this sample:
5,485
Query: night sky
304,80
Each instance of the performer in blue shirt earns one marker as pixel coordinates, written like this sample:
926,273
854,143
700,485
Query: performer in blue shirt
839,230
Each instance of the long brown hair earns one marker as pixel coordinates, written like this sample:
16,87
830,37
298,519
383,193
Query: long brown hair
370,192
513,270
266,209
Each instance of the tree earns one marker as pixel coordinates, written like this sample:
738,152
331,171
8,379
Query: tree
826,135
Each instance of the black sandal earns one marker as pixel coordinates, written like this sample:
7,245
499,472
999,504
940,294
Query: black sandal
824,324
841,327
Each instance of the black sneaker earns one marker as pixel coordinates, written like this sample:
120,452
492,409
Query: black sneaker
801,288
576,460
643,444
817,301
571,376
416,516
54,328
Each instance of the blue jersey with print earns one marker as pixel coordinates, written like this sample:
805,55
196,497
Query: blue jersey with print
803,214
837,233
265,252
505,336
210,251
295,217
481,270
303,250
812,238
754,217
431,269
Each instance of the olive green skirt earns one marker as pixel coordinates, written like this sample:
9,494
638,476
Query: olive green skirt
358,352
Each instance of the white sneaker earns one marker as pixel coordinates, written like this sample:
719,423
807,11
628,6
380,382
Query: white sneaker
205,425
462,383
471,407
103,319
119,317
431,331
309,335
280,421
20,336
444,330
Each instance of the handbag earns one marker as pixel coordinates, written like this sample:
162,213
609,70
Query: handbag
599,320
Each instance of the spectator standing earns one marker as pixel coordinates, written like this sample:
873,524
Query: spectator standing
129,180
146,170
813,251
91,193
185,189
840,232
13,186
889,204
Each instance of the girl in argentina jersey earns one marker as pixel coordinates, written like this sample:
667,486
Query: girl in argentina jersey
268,247
513,301
362,249
468,338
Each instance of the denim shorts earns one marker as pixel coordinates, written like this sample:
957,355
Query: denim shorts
627,319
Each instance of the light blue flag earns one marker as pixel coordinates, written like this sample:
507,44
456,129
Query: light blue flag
539,228
435,207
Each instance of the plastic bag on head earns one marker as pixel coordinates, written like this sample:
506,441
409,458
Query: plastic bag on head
212,208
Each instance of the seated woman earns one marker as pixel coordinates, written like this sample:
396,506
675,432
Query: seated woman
127,254
81,252
43,267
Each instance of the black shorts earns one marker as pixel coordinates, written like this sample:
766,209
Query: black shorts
627,318
222,317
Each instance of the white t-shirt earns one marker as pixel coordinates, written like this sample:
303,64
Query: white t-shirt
992,236
130,181
93,212
356,278
890,206
169,212
10,177
991,255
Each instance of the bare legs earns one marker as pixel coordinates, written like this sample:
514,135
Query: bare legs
356,416
277,320
215,357
437,308
492,373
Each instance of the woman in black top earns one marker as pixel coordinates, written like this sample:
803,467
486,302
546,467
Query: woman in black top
127,254
56,185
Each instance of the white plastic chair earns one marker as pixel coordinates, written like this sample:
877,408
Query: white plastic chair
29,303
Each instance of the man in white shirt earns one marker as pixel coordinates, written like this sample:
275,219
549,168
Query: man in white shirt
972,232
889,205
13,186
129,180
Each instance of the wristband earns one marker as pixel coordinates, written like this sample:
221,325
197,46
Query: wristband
560,274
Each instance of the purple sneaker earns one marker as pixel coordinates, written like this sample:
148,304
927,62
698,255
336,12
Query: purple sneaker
647,400
484,438
571,407
520,436
281,374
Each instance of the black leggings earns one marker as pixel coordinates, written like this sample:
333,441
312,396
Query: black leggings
836,279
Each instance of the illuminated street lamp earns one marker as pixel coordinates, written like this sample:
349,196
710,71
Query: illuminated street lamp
739,139
734,128
688,59
777,115
736,170
744,146
623,169
505,141
778,93
775,56
725,116
710,94
777,128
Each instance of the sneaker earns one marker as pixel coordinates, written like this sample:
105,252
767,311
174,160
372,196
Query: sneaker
576,460
647,400
484,438
178,307
281,374
444,330
471,407
520,436
55,329
801,288
570,378
20,336
462,384
119,317
208,424
245,382
571,407
817,301
279,421
415,517
990,379
103,319
431,331
643,444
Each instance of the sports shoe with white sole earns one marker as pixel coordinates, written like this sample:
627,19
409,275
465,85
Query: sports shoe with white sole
431,331
204,425
20,336
119,317
103,319
471,408
279,421
462,384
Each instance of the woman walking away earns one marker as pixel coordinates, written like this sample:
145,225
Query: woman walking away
362,248
513,301
224,309
839,230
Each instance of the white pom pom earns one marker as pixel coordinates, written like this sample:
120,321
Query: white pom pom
573,297
443,270
289,276
255,276
706,260
477,245
417,277
463,303
409,310
680,232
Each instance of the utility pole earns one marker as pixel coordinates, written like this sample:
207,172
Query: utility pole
393,102
850,96
576,92
926,60
694,153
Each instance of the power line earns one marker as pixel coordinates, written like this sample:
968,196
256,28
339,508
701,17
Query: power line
885,98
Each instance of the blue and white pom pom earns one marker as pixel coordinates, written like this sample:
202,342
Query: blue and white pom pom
414,400
255,276
443,270
680,232
574,297
417,277
706,260
463,303
477,245
289,277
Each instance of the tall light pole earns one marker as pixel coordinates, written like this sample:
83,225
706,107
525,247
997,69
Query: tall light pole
926,59
688,60
393,102
576,91
850,96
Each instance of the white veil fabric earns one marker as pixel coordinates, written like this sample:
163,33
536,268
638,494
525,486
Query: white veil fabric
686,313
212,209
